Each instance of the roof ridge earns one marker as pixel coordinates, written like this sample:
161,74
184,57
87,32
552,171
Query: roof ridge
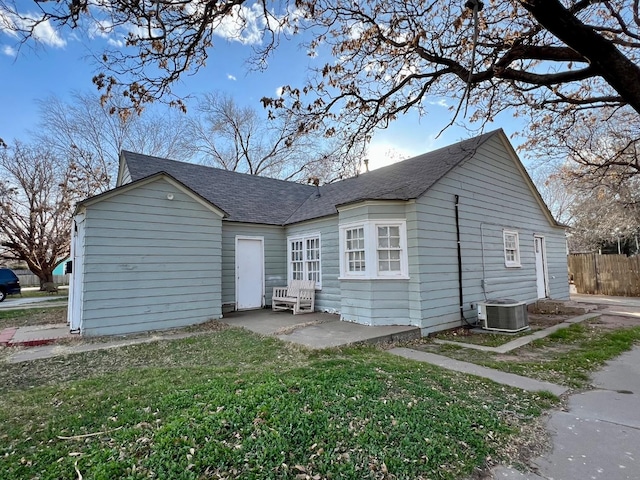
223,170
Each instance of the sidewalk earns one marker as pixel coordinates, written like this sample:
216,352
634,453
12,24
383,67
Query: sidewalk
598,436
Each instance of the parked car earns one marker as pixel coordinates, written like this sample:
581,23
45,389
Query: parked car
9,283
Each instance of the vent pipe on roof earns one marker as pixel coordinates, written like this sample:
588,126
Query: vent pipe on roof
366,164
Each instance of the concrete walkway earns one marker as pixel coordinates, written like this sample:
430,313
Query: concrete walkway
521,341
597,437
32,302
497,376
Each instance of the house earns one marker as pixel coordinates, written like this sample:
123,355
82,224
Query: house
416,243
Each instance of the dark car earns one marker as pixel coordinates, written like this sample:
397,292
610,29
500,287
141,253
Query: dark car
9,283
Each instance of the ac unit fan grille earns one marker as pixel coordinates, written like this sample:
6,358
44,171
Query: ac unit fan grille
508,318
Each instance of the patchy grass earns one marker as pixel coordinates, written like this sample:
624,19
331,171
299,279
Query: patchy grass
32,316
464,335
567,356
231,404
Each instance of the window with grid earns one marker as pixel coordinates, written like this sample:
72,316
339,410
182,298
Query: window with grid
354,250
374,249
296,260
312,263
388,249
304,259
511,249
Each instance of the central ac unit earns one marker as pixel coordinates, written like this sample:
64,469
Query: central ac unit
503,315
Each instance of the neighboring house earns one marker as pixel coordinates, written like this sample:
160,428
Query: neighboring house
176,243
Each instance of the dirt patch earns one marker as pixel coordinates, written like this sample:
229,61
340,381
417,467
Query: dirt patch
614,321
33,316
538,320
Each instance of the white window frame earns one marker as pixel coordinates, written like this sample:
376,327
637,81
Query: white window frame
371,271
508,262
305,261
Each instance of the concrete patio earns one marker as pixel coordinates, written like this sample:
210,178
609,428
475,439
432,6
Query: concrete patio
317,330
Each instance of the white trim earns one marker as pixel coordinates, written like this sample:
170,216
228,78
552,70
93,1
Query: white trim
235,273
161,176
303,237
507,262
371,250
364,203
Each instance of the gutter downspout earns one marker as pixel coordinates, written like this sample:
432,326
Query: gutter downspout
460,293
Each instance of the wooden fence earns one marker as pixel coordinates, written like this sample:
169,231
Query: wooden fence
28,279
606,274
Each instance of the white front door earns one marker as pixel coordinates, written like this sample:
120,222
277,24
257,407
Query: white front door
249,272
74,311
541,267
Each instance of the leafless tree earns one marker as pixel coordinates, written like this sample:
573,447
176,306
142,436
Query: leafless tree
87,130
39,189
239,138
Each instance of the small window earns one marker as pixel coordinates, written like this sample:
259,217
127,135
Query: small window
304,259
511,249
355,250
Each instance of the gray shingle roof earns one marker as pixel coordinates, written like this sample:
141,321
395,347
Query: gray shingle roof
252,199
246,198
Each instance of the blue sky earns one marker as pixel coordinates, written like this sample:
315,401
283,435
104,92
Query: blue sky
60,64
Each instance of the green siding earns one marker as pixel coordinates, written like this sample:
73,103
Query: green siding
380,301
493,196
329,298
275,253
150,263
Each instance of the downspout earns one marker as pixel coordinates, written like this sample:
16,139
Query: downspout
460,293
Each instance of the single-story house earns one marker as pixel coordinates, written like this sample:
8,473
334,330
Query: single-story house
418,243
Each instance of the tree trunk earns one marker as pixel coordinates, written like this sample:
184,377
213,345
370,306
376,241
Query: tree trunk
611,64
46,280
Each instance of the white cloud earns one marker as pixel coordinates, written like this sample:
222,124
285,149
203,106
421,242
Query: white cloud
279,92
441,103
244,25
231,77
9,50
119,43
42,32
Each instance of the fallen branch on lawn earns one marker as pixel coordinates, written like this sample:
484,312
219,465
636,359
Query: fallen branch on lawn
87,435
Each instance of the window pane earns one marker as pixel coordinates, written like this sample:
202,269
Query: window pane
388,250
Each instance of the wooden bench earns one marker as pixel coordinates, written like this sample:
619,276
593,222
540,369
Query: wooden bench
299,296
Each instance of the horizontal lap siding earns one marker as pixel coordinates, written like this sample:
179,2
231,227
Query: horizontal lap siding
150,262
329,298
493,196
376,302
382,301
275,272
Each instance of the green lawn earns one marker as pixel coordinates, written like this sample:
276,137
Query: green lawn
566,357
231,404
